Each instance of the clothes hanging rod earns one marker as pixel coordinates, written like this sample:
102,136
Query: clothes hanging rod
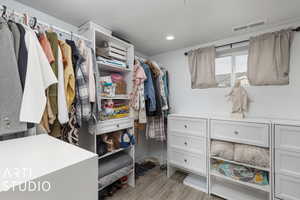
4,8
240,42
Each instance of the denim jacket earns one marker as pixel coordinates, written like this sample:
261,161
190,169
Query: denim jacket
149,88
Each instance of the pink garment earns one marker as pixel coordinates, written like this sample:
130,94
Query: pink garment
137,99
139,74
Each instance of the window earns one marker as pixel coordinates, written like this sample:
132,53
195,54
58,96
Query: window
230,68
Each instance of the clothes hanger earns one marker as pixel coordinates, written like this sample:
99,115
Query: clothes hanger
25,20
4,12
12,16
34,23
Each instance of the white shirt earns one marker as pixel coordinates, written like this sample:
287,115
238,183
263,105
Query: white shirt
39,76
63,116
88,68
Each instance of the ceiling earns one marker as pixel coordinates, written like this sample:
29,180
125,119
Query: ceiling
146,23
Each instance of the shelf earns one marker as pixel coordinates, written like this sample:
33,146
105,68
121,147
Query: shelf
113,68
125,97
233,191
239,163
265,188
113,152
115,120
197,182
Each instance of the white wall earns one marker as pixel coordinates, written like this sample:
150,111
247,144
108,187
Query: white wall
21,8
268,101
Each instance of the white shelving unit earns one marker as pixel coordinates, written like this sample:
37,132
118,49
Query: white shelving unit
97,35
240,132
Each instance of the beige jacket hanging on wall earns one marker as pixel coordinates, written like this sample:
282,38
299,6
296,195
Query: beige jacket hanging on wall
269,58
202,67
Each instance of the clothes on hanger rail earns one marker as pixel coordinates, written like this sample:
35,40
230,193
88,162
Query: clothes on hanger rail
137,97
11,95
154,96
36,61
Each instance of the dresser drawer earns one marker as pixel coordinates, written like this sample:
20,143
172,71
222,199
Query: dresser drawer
188,143
287,163
287,188
287,137
191,126
240,132
113,125
189,161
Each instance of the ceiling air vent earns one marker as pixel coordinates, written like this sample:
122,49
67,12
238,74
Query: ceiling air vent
248,26
239,28
252,25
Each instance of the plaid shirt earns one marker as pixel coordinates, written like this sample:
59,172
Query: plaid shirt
83,105
156,128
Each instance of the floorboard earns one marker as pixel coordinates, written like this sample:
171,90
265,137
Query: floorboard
155,185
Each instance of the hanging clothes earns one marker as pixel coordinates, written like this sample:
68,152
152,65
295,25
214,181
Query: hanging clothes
149,91
16,36
46,47
97,105
63,116
87,69
11,96
156,128
69,77
48,116
23,56
162,91
39,77
53,39
83,106
137,98
70,131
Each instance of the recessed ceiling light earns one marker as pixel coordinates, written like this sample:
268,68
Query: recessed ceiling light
170,37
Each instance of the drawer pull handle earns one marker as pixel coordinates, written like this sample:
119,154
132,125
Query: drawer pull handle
118,125
236,132
185,160
185,126
185,143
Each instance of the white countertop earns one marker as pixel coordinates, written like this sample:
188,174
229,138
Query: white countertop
28,158
288,122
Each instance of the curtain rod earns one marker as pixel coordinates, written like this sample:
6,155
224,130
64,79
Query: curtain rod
5,9
239,42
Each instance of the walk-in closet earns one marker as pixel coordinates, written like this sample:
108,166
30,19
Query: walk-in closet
149,100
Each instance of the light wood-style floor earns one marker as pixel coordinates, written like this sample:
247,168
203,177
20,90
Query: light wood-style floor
155,185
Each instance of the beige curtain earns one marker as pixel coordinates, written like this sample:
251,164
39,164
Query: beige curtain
269,58
202,67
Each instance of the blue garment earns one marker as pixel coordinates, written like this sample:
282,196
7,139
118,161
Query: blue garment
149,91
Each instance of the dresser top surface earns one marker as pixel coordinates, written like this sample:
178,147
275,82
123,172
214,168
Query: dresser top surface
37,156
290,122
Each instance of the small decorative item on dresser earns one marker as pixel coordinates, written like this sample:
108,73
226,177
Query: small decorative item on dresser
240,101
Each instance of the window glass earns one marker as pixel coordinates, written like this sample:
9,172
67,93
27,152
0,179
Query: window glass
241,69
223,71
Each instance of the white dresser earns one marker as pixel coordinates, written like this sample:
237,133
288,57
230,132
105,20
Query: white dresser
257,134
187,147
287,160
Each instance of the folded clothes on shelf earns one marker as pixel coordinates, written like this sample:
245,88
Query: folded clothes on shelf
241,173
111,61
113,110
